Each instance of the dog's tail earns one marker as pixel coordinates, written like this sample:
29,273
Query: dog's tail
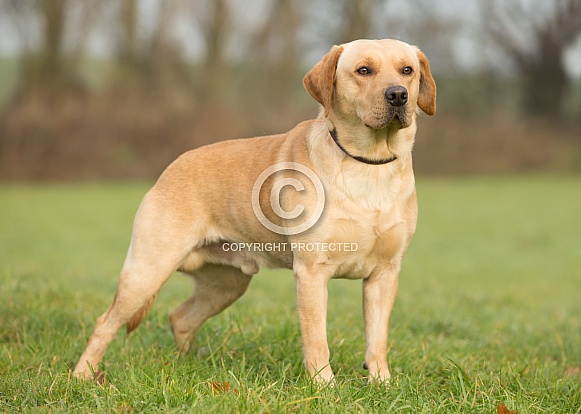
140,314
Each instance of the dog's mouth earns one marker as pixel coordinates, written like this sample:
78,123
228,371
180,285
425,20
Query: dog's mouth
395,117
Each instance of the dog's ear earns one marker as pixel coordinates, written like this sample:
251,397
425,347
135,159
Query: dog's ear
319,80
427,97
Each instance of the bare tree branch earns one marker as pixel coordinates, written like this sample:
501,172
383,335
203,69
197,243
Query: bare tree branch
538,52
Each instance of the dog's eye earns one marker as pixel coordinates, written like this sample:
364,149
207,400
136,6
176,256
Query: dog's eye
364,70
407,70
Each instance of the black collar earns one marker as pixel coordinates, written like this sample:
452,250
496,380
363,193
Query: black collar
364,160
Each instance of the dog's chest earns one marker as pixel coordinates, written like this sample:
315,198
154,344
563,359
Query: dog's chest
368,226
369,192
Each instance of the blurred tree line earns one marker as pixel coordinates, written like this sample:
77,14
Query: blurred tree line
176,74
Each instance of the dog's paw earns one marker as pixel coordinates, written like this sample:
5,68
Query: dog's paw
324,382
379,381
378,376
90,375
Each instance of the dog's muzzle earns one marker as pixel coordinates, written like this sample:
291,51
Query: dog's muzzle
392,111
396,98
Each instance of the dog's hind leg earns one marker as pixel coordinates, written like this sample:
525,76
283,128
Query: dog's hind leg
158,246
139,283
215,288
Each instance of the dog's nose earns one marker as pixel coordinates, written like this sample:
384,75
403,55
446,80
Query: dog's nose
396,95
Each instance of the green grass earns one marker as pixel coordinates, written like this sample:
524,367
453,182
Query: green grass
489,311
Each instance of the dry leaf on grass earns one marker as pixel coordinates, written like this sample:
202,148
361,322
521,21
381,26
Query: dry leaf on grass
222,387
501,409
100,377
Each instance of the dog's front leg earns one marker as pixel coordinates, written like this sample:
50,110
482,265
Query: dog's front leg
312,305
379,291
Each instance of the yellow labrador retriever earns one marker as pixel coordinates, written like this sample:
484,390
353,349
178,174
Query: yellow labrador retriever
332,198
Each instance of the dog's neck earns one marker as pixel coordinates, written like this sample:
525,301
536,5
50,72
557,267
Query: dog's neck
378,146
364,160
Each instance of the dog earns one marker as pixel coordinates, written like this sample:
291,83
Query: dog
221,211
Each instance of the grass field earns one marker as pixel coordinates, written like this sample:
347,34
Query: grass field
489,311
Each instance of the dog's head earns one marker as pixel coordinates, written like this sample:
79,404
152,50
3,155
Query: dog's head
381,82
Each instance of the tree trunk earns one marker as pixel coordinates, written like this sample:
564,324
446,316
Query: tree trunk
54,20
545,81
129,45
358,20
540,61
50,71
216,34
